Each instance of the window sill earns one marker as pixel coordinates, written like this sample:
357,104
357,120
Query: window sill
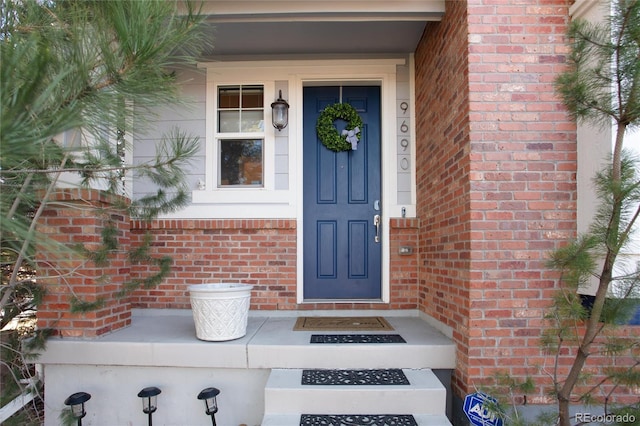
242,196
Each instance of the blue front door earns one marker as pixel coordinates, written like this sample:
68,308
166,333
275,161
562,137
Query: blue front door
342,256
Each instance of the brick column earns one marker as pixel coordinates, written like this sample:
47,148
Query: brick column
496,162
78,217
442,169
522,182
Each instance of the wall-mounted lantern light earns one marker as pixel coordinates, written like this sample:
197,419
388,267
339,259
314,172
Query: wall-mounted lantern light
149,401
76,403
280,113
209,396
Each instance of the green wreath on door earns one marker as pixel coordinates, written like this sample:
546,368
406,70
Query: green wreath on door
329,135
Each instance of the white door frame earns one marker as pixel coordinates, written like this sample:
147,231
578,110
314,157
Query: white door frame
350,72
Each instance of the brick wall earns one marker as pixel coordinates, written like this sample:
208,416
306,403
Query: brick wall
496,186
522,177
260,252
443,167
497,158
76,217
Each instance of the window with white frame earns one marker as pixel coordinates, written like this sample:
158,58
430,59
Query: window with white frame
240,136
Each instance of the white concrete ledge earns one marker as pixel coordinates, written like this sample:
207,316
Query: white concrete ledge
167,339
153,341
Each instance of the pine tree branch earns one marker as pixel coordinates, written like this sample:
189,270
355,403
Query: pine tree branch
146,166
16,202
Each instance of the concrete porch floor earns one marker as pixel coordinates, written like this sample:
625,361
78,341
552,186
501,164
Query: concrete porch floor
167,338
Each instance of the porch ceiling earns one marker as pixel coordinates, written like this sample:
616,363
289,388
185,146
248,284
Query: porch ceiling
311,27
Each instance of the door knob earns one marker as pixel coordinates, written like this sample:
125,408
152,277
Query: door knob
376,223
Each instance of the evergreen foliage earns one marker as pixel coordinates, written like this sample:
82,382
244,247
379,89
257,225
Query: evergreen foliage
76,78
601,86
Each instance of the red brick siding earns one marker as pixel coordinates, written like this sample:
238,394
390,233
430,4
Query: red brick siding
73,218
258,252
522,180
443,167
261,252
497,158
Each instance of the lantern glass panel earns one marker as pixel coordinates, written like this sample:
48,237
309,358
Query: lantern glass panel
280,115
149,404
78,410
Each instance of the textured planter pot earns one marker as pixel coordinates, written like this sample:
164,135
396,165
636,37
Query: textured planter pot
220,311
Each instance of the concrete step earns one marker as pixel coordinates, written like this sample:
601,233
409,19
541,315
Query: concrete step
284,394
294,420
277,346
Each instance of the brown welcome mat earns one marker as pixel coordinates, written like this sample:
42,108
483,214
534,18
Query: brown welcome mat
341,323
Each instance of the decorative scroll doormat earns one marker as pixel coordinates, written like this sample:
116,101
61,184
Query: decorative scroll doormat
377,377
356,338
358,420
342,324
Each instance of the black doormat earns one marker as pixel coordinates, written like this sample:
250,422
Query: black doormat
357,420
393,376
356,338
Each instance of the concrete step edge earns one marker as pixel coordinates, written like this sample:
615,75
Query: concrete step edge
284,393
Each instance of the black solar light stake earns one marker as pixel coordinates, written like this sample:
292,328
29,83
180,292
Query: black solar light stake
209,395
149,401
76,402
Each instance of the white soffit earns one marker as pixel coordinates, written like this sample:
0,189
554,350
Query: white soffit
311,27
323,10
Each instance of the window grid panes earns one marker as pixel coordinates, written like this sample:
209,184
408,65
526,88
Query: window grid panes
241,109
240,157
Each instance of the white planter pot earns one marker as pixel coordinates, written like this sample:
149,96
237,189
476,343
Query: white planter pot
220,311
